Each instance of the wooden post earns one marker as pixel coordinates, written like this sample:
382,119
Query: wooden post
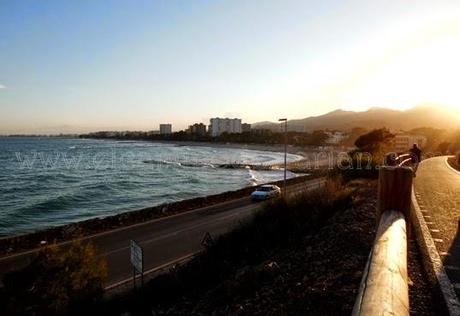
394,190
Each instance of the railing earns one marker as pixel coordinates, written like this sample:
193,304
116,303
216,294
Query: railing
384,288
392,159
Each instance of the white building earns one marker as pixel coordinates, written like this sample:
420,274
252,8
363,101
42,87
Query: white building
403,142
165,129
336,137
221,125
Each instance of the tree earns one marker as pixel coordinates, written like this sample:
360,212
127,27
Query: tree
318,138
353,136
443,147
59,280
374,141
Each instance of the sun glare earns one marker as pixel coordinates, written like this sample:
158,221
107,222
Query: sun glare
421,67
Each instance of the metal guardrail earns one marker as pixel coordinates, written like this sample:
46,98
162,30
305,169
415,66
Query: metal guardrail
384,287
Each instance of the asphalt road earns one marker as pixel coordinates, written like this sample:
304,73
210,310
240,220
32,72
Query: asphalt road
163,240
437,189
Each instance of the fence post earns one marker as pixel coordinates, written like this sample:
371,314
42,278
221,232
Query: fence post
394,190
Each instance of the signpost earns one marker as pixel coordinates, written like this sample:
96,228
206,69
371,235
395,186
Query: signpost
137,260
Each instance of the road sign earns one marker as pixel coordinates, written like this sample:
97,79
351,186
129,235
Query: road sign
207,240
137,257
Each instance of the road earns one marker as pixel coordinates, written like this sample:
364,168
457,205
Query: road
164,240
437,189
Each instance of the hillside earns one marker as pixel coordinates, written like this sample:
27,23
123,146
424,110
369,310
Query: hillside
420,116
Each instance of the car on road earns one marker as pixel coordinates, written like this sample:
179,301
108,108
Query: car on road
265,192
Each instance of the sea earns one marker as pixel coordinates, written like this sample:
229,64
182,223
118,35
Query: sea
47,182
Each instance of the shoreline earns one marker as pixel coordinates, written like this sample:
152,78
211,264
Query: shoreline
28,240
13,244
295,150
305,162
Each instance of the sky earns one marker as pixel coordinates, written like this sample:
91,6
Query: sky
77,66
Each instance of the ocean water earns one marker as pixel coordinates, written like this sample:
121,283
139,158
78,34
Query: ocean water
45,182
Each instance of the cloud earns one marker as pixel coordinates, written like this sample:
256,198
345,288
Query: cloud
2,86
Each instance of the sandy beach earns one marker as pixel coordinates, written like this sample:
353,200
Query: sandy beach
301,151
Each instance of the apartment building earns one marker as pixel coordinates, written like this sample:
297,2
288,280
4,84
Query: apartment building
224,125
165,129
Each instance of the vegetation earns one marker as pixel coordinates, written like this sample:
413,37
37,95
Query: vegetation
435,138
364,161
454,138
375,142
354,134
316,138
59,280
439,141
454,161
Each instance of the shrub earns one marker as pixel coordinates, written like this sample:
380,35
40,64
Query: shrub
358,165
375,141
59,280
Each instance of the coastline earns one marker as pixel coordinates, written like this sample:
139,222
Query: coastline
308,156
14,243
18,243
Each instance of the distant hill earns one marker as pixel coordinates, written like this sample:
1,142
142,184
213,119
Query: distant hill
419,116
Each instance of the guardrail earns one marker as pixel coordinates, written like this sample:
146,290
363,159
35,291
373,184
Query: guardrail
384,287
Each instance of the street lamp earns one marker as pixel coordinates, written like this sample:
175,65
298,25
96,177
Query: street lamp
285,152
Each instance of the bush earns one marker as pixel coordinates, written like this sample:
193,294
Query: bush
59,280
374,141
358,165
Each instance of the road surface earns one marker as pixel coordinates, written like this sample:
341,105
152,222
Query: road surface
437,189
164,240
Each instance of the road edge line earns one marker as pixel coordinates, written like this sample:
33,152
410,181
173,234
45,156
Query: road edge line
450,167
431,259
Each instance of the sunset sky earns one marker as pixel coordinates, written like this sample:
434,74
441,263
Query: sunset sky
73,66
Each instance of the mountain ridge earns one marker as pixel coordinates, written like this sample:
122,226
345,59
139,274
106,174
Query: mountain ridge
374,117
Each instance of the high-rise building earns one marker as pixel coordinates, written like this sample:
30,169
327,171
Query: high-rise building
165,129
224,125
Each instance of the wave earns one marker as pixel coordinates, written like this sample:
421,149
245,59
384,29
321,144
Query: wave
252,178
57,203
180,164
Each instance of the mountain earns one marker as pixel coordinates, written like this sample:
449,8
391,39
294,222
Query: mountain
419,116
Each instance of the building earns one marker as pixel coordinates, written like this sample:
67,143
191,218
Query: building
197,129
165,129
403,142
224,125
245,127
335,137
